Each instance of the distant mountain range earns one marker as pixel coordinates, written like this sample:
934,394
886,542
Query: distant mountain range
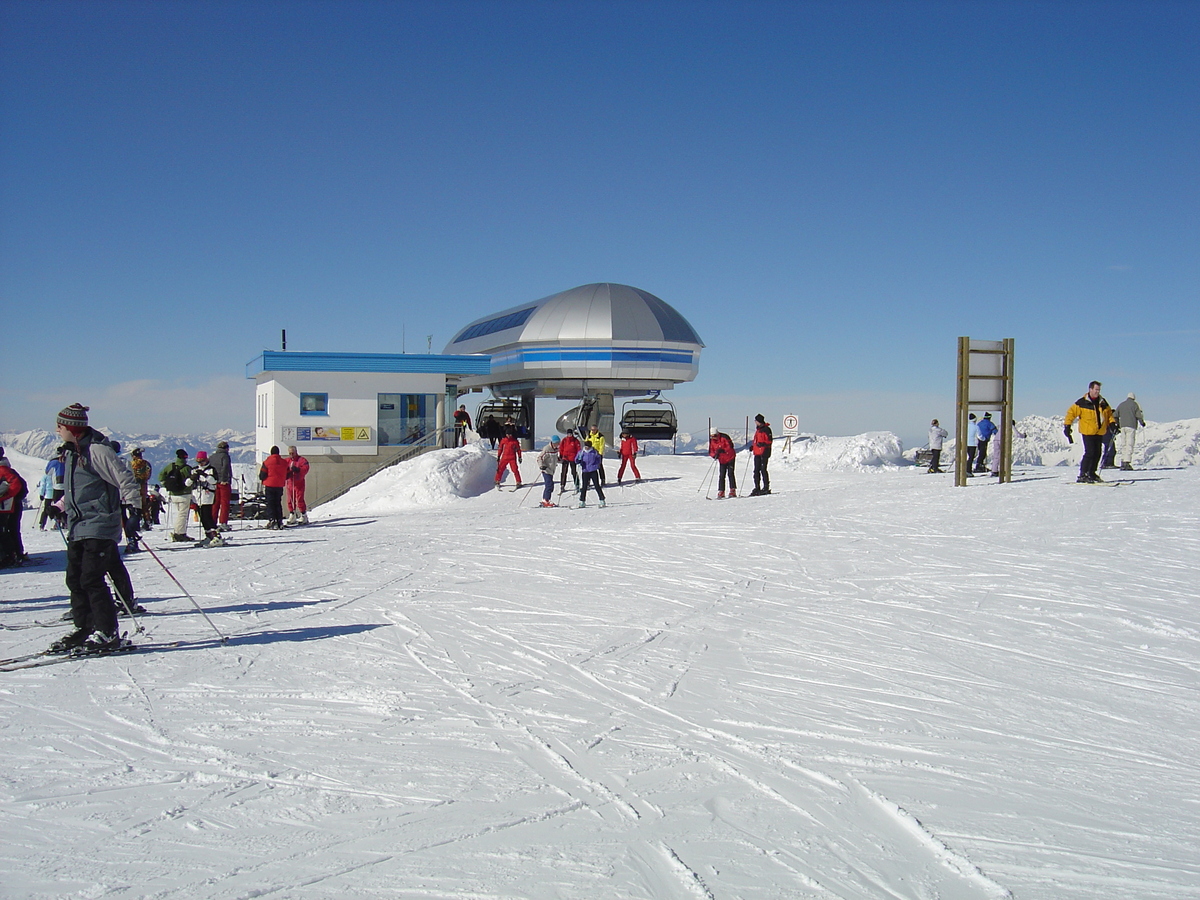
157,449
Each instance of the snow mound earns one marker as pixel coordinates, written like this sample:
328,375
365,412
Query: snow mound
873,450
437,478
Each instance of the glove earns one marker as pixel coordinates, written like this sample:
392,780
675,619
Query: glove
1067,432
188,482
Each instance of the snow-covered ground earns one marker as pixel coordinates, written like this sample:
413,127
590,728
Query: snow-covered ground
870,684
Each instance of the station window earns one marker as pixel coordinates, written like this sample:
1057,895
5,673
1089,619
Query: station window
314,404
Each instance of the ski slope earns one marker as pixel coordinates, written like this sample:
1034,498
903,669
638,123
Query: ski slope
870,684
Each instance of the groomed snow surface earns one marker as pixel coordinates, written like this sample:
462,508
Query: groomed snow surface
870,684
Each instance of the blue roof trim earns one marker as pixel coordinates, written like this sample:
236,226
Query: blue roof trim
407,363
594,354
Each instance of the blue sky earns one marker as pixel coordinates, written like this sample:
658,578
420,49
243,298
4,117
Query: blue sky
831,193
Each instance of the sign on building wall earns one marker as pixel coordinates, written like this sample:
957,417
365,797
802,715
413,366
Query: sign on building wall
300,434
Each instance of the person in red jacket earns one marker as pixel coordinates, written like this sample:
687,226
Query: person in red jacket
761,445
629,450
510,457
720,448
273,473
568,451
297,469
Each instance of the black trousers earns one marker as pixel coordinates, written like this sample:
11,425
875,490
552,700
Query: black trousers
935,460
1093,446
762,480
727,470
981,459
574,467
92,606
594,479
274,497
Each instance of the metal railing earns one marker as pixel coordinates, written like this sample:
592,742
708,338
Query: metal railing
435,440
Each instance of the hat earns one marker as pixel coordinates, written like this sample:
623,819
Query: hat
971,416
1131,397
200,454
554,438
222,445
136,451
759,418
987,415
181,453
116,445
712,431
74,416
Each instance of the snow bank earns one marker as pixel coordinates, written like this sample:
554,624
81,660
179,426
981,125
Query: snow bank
873,450
436,478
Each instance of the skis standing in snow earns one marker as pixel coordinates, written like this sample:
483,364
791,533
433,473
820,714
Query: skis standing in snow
96,485
547,463
720,448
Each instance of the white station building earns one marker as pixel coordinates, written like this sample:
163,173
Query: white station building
352,414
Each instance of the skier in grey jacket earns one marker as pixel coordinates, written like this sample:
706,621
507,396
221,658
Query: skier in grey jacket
96,484
1129,417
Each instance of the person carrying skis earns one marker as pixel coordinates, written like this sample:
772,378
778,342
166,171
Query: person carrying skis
547,462
509,457
720,448
568,450
629,452
760,445
297,470
176,479
1093,413
937,434
96,485
589,462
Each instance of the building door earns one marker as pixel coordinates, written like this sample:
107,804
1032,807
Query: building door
406,418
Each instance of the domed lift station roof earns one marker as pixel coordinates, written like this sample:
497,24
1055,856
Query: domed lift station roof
596,338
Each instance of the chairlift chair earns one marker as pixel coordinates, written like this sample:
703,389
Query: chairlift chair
650,419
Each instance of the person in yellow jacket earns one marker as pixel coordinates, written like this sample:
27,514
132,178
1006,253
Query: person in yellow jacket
597,441
1094,415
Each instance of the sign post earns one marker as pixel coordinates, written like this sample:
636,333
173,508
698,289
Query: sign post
985,381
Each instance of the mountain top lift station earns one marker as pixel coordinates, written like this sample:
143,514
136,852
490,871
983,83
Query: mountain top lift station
594,343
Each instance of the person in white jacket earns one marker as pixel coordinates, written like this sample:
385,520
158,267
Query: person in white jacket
937,434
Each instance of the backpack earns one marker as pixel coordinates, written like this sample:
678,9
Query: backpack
172,480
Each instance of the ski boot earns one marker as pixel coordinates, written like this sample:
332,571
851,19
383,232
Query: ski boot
69,642
732,492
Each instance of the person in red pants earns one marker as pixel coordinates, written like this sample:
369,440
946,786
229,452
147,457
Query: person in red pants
629,451
296,472
510,458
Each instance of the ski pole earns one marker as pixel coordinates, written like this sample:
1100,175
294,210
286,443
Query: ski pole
188,593
707,478
746,467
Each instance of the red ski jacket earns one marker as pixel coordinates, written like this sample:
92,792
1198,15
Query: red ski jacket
568,448
510,448
629,447
720,448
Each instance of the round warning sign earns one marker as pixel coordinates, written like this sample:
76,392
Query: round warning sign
791,426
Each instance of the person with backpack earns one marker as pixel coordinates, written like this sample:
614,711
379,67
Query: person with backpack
176,480
223,472
96,486
760,446
720,448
